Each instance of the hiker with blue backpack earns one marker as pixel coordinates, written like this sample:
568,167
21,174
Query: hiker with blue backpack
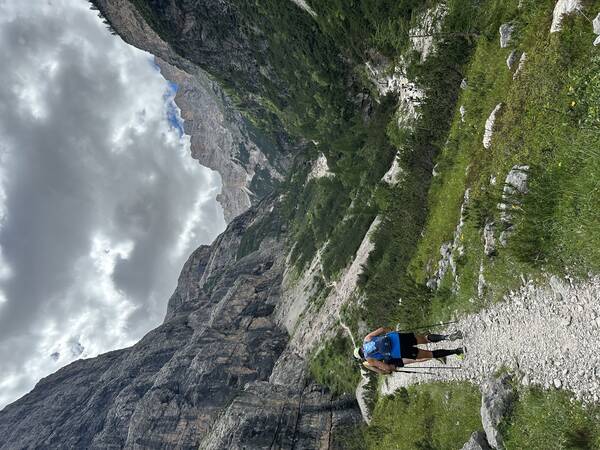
384,350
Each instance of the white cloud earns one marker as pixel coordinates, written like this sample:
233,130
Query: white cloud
100,201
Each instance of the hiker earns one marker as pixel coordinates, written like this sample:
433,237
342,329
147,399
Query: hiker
384,349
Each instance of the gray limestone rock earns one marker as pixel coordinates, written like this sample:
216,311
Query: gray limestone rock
489,126
477,442
596,25
512,59
489,240
515,186
497,397
506,32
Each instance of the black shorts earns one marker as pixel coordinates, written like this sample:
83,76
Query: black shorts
408,348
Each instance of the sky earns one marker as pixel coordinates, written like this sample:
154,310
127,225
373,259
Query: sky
100,201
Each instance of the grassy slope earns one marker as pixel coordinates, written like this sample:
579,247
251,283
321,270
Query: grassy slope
550,121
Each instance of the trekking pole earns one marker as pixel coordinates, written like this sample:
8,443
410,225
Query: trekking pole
439,367
414,371
436,325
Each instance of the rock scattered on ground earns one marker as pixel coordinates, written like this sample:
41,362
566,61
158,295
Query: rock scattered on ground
522,62
489,241
489,127
477,442
512,59
497,396
506,32
596,25
515,186
562,8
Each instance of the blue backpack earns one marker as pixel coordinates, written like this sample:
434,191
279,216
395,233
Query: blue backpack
379,347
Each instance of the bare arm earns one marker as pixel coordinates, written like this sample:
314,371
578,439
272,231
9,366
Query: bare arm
377,332
384,368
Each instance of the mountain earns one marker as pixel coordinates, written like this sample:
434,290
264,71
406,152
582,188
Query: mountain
211,376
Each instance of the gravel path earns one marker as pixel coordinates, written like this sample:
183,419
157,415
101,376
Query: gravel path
546,334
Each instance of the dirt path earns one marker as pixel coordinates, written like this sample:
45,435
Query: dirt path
547,334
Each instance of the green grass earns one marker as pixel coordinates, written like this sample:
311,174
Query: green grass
434,416
334,366
550,420
550,121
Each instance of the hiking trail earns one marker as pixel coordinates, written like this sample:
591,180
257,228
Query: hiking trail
546,334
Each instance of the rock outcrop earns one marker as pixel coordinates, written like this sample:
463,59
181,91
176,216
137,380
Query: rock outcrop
562,8
205,378
248,161
477,442
497,397
506,32
489,127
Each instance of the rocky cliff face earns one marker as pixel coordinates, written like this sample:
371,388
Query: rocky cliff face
212,376
249,162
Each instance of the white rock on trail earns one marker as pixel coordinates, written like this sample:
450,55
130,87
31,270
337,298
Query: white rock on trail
562,8
525,334
489,127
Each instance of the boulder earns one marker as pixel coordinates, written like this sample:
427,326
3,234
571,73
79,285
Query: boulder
562,8
497,397
489,127
506,32
516,181
477,442
512,59
489,241
522,61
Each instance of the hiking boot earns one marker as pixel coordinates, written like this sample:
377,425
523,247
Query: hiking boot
460,355
455,336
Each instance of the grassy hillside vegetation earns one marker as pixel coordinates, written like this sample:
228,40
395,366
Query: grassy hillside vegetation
550,122
433,416
550,420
